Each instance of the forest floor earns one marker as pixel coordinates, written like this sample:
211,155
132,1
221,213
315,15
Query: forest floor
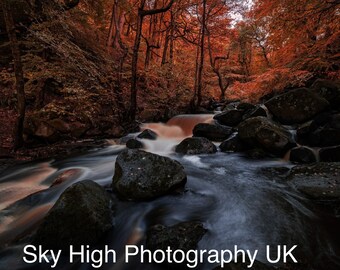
42,151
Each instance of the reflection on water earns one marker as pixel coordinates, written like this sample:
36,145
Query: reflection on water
228,193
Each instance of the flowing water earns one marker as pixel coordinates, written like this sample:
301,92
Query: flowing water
238,203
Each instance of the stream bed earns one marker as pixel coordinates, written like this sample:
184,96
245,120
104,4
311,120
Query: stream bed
232,195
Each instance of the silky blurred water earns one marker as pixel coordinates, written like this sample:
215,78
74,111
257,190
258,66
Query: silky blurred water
230,194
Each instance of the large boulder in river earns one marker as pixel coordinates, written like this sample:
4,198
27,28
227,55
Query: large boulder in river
296,106
234,116
212,132
184,236
323,131
324,136
330,90
141,175
330,154
240,265
257,111
303,155
81,216
196,146
233,144
148,134
230,117
320,182
245,106
134,144
261,132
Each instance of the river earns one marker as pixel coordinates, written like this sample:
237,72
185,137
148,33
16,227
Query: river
237,201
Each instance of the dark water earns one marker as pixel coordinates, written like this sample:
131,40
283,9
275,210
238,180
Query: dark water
236,201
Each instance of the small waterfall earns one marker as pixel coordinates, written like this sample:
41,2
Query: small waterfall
173,132
180,126
188,122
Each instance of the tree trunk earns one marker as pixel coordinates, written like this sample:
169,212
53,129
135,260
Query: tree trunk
216,69
265,56
109,41
19,75
166,46
133,92
193,101
172,32
201,65
116,26
147,56
133,97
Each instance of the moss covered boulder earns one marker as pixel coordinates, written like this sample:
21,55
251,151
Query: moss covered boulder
184,236
81,216
212,132
140,175
260,132
196,146
297,106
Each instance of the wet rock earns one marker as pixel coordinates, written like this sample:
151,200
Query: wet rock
323,131
244,266
81,216
335,121
212,132
329,90
325,137
244,106
125,139
257,153
260,132
233,144
229,117
302,133
257,111
231,105
297,106
141,175
148,134
184,236
134,144
302,155
275,173
330,154
321,120
319,181
196,146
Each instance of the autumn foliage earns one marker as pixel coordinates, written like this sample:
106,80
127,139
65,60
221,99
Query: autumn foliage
152,59
232,49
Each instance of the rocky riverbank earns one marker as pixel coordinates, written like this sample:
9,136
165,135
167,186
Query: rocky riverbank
302,129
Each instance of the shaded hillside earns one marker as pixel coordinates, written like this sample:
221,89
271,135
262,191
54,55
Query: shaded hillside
71,78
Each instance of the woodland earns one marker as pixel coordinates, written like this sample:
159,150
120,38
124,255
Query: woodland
95,69
186,124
